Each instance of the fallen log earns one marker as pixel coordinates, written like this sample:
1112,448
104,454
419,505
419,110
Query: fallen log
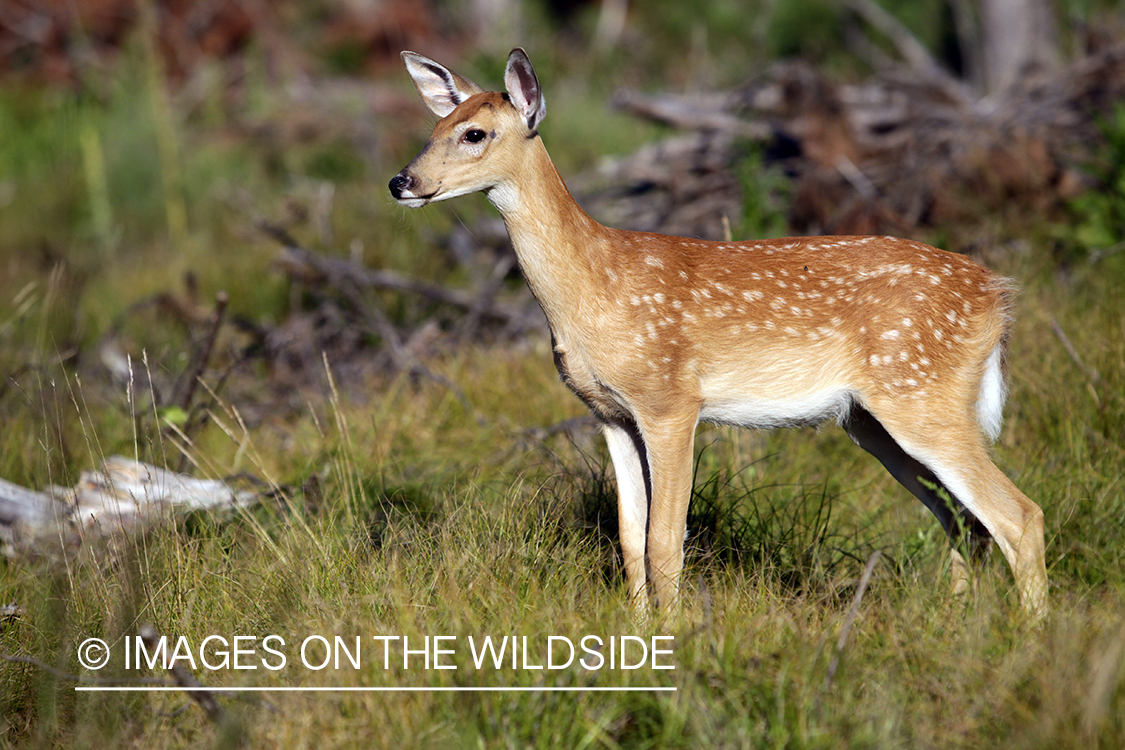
121,495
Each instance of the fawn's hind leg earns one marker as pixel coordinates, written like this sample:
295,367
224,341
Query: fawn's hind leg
952,449
965,531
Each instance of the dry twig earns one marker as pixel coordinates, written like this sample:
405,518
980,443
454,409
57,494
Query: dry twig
846,631
83,679
1090,373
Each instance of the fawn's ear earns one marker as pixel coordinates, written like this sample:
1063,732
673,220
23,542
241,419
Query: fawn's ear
523,88
441,89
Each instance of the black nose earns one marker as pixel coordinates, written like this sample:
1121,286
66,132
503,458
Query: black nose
399,183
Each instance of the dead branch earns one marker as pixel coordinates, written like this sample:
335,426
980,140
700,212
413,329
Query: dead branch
312,268
350,278
707,112
79,678
571,426
190,378
500,271
184,678
911,146
913,51
681,185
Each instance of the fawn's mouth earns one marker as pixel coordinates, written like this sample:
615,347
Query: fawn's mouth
415,201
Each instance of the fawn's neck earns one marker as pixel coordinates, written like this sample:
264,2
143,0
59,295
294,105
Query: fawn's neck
557,243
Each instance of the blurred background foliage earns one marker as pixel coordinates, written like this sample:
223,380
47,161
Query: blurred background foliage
144,144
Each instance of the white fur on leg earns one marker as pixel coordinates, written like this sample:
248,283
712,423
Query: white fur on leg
632,510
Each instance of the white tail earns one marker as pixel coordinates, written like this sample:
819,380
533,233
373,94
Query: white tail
901,343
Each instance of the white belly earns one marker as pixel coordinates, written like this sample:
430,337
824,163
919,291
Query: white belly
786,411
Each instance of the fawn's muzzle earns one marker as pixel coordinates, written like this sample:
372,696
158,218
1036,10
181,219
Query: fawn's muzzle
400,183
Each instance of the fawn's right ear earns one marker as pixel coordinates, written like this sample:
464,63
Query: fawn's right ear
524,89
441,89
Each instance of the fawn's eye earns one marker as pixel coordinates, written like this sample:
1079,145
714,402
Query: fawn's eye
474,136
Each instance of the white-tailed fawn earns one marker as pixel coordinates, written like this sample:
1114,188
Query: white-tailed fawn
899,342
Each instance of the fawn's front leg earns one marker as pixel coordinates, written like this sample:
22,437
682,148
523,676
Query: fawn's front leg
627,451
669,441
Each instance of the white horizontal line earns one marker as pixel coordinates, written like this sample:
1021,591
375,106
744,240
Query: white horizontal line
287,689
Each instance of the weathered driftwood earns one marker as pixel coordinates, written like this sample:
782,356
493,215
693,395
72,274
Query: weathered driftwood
31,509
105,502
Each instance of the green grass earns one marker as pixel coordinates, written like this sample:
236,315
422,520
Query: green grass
420,522
394,511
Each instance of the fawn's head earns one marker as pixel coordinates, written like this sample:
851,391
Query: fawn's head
481,136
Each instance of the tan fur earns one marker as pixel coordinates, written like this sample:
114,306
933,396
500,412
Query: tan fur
655,333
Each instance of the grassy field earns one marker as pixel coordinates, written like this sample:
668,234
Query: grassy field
395,511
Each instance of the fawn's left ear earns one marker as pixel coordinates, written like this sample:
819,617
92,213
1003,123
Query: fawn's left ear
523,88
441,89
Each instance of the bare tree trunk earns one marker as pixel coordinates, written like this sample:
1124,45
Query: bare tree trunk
1020,38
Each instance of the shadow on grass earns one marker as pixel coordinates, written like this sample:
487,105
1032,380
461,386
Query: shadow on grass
786,534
